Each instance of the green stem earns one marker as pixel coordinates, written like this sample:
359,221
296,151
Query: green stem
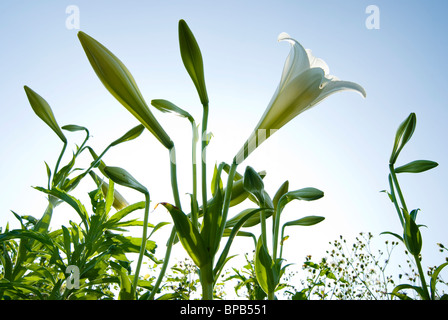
170,242
207,281
228,193
194,211
395,180
275,236
394,200
263,228
271,295
422,277
174,186
59,160
169,246
281,244
204,143
143,245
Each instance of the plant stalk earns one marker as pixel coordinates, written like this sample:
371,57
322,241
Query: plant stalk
395,180
204,143
207,281
59,159
422,277
194,211
170,242
143,245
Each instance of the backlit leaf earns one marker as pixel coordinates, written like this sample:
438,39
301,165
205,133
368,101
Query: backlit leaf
417,166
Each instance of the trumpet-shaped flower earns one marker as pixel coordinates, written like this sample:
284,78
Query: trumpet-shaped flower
305,82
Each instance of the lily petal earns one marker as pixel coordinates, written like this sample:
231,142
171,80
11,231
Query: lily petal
317,62
335,86
296,62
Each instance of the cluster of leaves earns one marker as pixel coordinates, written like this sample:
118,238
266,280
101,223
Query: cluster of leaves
37,261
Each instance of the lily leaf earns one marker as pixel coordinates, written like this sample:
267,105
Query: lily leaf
130,135
167,106
434,279
395,291
306,221
189,236
192,59
394,234
417,166
280,192
252,221
43,111
306,194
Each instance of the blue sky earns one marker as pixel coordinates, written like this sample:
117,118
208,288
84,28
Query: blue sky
342,146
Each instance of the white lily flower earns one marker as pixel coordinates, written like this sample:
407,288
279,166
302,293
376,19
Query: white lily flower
305,82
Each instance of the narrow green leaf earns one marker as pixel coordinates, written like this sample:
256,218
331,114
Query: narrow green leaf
192,59
124,178
306,221
216,181
126,290
189,236
252,221
394,234
130,135
121,84
417,166
67,243
109,196
72,201
306,194
167,106
119,215
434,279
43,111
234,232
395,291
280,192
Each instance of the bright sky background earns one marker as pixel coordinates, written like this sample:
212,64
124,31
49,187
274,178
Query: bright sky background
342,146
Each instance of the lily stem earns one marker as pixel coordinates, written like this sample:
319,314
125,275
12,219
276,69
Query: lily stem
59,160
170,241
397,186
204,157
194,211
422,277
143,245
